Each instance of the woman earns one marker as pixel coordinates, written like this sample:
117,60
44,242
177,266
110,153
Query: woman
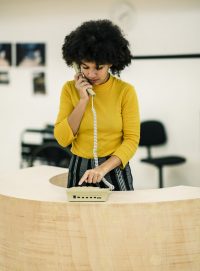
101,51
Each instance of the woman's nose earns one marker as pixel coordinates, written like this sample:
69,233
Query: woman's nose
92,73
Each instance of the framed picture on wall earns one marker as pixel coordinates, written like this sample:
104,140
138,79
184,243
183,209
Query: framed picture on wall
5,54
39,86
4,78
30,54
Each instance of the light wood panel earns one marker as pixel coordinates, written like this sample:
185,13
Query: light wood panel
126,233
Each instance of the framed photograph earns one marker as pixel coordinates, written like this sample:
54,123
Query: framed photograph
39,86
4,78
5,54
30,54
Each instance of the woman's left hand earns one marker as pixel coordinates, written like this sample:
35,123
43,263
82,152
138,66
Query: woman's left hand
94,175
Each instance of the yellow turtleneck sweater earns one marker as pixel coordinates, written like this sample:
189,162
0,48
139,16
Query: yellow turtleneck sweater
118,122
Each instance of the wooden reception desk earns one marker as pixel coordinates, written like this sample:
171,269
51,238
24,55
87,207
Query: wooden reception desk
144,230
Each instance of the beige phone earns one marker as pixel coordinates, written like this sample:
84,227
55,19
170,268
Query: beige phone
77,70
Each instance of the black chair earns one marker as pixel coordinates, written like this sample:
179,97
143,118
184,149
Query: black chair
47,151
50,153
153,134
27,148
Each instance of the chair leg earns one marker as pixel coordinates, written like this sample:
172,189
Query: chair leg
160,177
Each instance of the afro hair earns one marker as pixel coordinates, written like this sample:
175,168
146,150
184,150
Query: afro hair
97,41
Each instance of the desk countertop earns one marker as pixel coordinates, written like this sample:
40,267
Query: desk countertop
36,183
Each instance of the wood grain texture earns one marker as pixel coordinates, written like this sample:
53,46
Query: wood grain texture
111,236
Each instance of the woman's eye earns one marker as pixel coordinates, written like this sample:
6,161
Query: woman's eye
97,68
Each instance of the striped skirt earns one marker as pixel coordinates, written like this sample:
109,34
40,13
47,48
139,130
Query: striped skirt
120,178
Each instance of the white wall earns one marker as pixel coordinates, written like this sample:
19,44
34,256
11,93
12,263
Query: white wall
167,89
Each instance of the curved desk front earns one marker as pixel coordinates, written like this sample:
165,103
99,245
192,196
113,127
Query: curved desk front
142,230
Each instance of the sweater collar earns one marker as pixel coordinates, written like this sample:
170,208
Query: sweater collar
105,85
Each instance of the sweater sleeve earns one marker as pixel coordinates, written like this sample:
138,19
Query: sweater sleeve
131,127
62,131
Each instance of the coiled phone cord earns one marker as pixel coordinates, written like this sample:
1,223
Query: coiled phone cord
96,162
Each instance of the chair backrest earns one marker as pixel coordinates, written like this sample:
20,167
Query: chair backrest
152,133
52,154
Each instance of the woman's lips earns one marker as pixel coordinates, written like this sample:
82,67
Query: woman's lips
93,81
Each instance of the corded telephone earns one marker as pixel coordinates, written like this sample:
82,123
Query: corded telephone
88,193
91,190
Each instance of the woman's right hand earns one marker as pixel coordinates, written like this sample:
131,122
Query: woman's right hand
82,84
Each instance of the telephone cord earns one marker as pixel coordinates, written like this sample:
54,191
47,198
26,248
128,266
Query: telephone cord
96,162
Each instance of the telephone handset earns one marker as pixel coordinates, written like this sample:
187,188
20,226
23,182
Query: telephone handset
77,70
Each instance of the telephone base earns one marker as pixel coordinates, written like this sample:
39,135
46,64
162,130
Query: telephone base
85,193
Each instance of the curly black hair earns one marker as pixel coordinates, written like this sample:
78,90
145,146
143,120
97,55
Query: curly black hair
97,41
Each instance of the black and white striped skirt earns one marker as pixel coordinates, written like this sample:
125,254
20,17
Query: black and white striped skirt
120,178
